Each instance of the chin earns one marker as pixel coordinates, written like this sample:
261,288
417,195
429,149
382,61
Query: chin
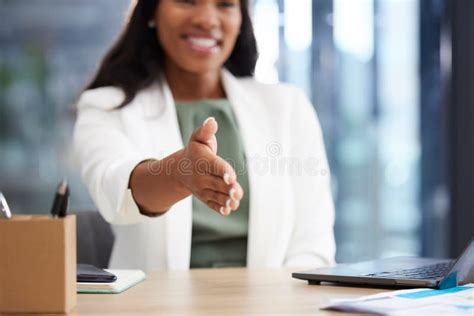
201,67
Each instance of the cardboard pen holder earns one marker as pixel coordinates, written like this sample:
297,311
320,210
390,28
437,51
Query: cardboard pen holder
38,264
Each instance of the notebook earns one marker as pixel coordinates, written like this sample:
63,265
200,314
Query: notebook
125,280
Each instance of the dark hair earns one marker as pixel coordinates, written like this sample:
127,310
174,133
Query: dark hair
136,59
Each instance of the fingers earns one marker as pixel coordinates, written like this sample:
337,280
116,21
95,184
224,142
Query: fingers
207,163
218,208
222,203
216,183
206,134
236,192
212,143
220,198
221,168
218,195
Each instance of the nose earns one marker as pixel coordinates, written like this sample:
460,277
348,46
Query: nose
206,16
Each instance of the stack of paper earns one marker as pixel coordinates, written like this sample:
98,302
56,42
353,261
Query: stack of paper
125,280
454,301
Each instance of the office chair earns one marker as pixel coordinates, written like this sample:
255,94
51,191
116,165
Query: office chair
95,239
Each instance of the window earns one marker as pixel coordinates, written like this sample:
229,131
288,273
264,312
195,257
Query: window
359,62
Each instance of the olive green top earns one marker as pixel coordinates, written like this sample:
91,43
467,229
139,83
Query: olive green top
218,241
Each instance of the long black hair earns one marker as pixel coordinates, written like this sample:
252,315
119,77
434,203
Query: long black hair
137,57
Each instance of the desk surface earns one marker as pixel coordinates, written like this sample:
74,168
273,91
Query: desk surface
218,292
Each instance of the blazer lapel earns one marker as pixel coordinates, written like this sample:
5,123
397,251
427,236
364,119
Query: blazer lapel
160,116
253,134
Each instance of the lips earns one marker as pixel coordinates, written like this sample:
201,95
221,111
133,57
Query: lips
203,44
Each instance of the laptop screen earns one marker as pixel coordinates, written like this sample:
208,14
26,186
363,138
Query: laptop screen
462,272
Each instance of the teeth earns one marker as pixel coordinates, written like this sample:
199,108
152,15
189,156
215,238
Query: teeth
203,42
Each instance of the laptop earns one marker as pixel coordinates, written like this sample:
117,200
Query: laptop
399,272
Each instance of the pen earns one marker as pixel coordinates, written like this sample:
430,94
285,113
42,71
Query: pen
64,205
4,209
61,198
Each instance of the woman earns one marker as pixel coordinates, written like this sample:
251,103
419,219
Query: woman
193,162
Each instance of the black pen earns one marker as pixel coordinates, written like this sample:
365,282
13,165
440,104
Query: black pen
61,198
64,205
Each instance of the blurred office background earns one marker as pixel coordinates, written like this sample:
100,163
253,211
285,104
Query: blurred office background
391,81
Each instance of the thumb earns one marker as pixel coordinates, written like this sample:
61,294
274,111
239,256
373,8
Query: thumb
206,134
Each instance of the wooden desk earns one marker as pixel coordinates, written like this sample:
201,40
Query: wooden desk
217,292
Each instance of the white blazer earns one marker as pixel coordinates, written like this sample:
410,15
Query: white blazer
291,210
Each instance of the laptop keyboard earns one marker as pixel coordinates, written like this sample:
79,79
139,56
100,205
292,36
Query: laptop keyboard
427,272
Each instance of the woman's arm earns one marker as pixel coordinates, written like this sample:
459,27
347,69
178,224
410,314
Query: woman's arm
149,179
158,184
117,176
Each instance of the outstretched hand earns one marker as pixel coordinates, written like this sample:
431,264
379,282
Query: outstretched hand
209,177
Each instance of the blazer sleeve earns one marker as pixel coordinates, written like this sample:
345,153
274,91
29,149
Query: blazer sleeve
312,243
106,156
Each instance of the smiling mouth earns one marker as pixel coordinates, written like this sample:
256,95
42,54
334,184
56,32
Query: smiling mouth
207,45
